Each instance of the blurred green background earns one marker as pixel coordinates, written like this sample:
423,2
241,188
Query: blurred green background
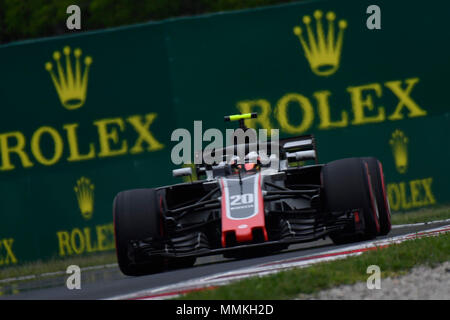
21,19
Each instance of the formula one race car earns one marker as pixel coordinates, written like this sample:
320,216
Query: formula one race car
239,208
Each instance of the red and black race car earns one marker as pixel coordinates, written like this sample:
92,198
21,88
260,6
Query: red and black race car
241,208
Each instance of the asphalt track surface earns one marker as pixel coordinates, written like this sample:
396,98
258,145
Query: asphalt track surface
110,282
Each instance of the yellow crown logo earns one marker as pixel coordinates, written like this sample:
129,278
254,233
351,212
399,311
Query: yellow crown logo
84,190
323,52
71,87
399,145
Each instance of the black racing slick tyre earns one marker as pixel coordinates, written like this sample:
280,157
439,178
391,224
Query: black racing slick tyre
347,186
136,217
379,190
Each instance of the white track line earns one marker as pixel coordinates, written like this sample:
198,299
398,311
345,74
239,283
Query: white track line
399,226
219,279
56,273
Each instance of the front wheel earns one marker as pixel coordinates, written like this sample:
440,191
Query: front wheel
136,217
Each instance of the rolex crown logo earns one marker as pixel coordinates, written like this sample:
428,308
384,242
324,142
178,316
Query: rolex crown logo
71,83
323,51
399,145
84,190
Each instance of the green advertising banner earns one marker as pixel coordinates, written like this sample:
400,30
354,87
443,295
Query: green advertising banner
83,118
89,115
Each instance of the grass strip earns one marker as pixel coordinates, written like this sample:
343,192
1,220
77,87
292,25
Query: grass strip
393,261
57,265
421,215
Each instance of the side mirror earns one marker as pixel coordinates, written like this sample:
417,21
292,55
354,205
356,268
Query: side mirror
182,172
301,155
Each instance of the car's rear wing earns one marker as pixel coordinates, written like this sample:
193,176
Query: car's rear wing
299,148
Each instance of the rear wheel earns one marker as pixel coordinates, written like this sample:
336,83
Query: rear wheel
379,190
347,186
136,217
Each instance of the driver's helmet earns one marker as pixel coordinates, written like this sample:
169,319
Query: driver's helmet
252,161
